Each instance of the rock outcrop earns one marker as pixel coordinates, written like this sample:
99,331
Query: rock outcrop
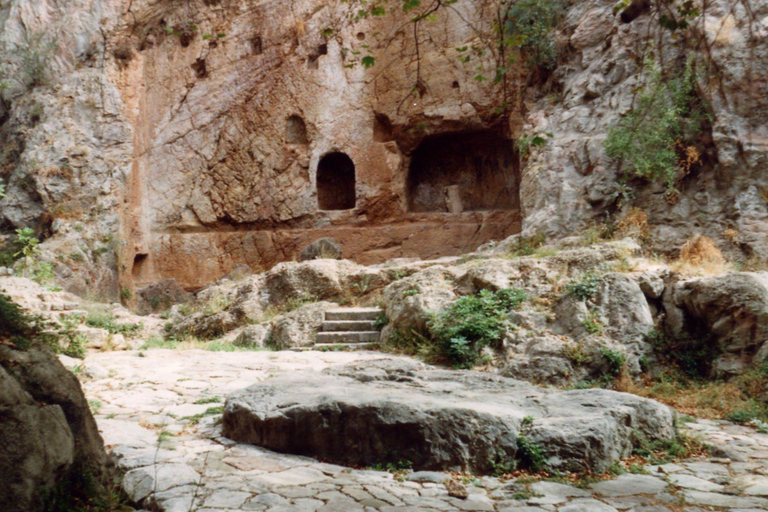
50,439
391,411
197,137
323,248
732,311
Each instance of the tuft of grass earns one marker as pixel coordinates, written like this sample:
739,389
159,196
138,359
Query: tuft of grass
634,223
592,323
95,405
192,343
700,250
700,256
662,451
527,246
736,399
208,400
164,435
103,318
159,342
616,361
216,304
211,411
576,354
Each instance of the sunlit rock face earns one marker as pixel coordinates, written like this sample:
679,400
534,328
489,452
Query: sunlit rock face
176,140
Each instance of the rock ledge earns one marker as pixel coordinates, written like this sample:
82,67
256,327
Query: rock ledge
395,410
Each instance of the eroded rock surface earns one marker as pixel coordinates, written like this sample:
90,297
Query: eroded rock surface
733,311
49,435
439,419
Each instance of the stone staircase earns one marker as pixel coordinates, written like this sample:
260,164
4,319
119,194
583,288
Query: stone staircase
351,328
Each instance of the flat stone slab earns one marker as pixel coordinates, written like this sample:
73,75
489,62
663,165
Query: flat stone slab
695,483
392,411
629,484
140,483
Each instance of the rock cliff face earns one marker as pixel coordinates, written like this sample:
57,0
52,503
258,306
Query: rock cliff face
571,180
164,140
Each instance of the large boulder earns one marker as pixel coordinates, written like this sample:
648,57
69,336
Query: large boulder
253,336
38,446
394,410
733,308
298,328
410,302
49,435
309,280
623,308
160,296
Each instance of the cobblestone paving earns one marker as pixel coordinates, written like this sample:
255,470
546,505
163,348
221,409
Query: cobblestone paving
158,412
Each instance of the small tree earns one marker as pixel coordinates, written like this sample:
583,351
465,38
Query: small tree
656,140
29,244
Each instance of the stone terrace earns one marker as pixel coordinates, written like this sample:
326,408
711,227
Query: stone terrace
159,409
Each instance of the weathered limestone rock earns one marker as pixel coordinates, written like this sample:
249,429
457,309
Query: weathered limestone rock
298,328
324,248
310,280
206,326
437,419
160,296
625,312
411,301
734,309
140,483
49,433
253,336
159,165
38,446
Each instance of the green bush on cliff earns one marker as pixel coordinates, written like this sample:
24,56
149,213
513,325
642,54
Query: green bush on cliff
656,139
472,323
529,27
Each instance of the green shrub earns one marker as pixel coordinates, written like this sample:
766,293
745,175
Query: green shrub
585,287
615,360
656,139
528,245
473,322
530,454
71,342
381,321
529,27
103,318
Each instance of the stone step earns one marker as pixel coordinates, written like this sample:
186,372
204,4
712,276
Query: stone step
321,347
348,325
352,314
347,337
